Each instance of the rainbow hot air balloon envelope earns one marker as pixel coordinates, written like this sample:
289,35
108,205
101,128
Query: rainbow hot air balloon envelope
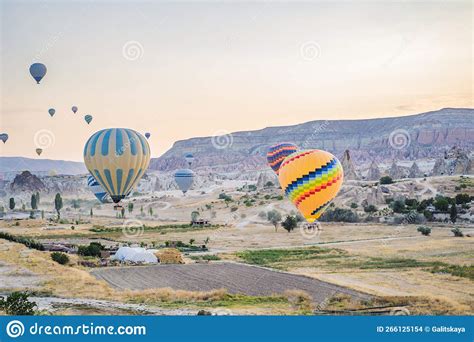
311,179
277,153
117,158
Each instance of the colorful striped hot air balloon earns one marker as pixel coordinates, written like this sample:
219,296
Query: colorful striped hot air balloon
311,179
117,158
88,118
277,153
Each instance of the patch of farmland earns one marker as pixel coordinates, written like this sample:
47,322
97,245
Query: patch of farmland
236,278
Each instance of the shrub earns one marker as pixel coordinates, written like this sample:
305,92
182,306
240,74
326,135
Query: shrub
354,205
30,243
424,230
93,249
386,180
60,258
462,198
457,232
339,215
370,209
17,304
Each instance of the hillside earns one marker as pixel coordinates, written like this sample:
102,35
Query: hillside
430,135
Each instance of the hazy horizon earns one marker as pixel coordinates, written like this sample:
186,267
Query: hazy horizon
203,68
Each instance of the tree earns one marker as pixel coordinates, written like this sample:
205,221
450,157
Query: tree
122,212
441,204
386,180
130,207
424,230
354,205
274,217
269,184
141,210
37,198
290,223
75,204
191,241
398,206
58,204
34,202
92,213
12,203
453,214
17,304
150,211
42,214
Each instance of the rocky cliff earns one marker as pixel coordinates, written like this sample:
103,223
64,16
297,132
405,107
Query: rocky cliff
426,135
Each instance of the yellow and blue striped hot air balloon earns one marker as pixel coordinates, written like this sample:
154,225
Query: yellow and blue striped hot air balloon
277,153
117,158
311,179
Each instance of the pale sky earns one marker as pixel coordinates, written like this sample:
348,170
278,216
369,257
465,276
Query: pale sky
206,67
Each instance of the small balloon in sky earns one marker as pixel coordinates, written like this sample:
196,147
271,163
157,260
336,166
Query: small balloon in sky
38,70
74,109
147,135
51,111
38,151
88,118
4,137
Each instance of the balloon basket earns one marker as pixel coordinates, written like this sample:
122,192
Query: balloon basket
118,207
312,226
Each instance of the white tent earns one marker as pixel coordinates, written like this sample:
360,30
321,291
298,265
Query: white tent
145,257
135,254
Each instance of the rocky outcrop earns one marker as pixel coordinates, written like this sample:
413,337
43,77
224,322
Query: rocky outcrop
375,196
27,182
374,172
440,167
267,176
348,167
415,171
395,171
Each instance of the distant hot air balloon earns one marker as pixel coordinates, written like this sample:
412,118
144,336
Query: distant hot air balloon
189,158
74,109
311,179
88,118
147,135
184,178
117,158
277,153
38,70
38,151
51,111
97,190
4,137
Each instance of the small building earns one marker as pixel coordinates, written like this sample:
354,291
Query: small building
200,223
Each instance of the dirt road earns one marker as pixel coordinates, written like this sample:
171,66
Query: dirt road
236,278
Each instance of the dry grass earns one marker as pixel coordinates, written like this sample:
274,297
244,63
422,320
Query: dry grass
154,296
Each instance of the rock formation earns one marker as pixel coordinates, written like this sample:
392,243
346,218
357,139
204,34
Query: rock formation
348,167
395,171
415,171
26,182
374,171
